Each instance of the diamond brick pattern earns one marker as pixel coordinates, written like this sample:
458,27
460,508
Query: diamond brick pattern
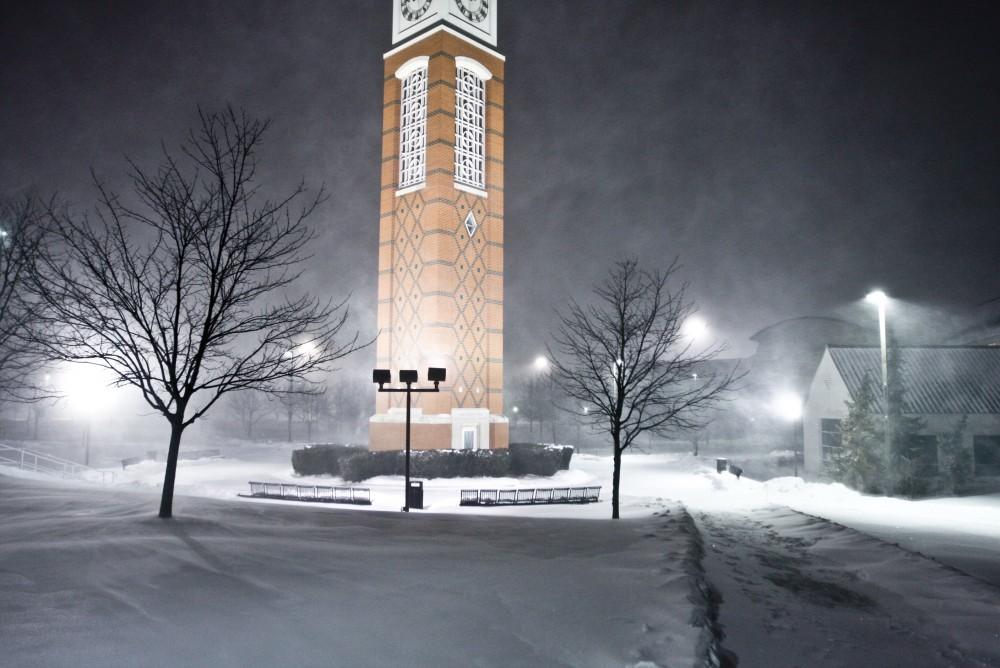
441,251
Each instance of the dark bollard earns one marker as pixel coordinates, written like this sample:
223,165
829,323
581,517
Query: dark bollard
721,465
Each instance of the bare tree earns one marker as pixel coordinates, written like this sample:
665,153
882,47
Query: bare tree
350,406
183,294
533,395
249,407
22,360
627,366
305,401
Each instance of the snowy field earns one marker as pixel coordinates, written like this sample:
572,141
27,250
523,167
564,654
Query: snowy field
90,577
808,574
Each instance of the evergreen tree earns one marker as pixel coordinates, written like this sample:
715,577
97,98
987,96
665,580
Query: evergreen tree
906,451
859,462
956,459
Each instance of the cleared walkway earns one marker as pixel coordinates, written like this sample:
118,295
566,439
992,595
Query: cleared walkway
801,591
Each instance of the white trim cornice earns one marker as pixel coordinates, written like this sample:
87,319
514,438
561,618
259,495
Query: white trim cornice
408,43
474,66
411,66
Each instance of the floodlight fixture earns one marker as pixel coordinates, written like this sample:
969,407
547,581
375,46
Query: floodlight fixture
381,376
409,378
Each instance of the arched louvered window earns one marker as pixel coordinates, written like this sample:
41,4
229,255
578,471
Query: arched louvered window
413,122
470,123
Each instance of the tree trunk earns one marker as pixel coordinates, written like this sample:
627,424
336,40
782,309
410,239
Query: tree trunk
616,481
289,425
167,499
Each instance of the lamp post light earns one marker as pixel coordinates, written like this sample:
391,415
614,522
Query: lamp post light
541,364
382,376
880,299
789,408
695,328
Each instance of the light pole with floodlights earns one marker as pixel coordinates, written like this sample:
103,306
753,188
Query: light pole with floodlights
880,299
382,376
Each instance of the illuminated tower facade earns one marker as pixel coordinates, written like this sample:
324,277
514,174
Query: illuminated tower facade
440,272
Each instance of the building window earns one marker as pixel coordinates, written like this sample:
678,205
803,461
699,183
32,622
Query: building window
922,452
470,123
413,122
830,437
987,455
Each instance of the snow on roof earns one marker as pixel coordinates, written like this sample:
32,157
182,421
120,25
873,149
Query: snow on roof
936,379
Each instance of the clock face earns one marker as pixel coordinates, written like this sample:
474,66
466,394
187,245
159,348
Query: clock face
474,10
413,9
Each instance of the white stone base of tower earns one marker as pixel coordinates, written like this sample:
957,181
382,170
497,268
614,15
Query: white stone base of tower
462,429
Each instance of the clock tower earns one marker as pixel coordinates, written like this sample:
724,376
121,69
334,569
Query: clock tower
440,272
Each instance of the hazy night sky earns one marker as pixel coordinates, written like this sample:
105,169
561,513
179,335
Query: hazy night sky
792,154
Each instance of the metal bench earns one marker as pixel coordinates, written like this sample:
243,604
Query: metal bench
528,497
359,496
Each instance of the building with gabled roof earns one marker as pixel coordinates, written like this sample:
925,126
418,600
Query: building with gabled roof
941,385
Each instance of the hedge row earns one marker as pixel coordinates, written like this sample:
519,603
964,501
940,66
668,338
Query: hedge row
355,464
535,459
319,459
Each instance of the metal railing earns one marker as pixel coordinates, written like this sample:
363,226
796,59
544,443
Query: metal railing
360,496
525,497
52,465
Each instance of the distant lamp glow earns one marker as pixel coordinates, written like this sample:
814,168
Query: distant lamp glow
515,409
541,363
877,297
86,388
307,349
695,328
787,406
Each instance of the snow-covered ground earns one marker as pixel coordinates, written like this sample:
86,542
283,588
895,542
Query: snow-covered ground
90,577
809,574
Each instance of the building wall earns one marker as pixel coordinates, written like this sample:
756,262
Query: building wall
392,436
827,398
441,291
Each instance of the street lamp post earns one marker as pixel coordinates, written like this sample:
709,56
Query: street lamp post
383,376
880,300
789,408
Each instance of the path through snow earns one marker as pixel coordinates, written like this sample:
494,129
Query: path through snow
801,591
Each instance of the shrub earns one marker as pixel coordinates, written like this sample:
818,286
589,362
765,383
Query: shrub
355,463
462,464
428,464
537,459
320,459
364,465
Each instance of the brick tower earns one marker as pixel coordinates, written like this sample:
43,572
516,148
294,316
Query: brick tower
440,287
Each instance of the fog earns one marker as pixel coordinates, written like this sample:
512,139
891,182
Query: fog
791,156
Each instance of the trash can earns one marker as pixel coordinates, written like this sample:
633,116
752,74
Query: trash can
415,495
721,465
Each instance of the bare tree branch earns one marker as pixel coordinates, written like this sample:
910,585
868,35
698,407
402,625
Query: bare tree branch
22,361
184,294
626,365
